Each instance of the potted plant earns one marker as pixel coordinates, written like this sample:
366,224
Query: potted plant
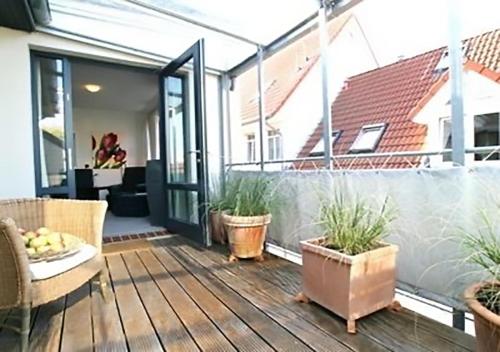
246,216
350,270
217,205
483,298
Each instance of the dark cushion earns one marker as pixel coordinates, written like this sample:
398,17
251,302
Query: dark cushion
129,204
132,177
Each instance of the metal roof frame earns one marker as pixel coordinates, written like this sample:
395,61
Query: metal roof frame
291,36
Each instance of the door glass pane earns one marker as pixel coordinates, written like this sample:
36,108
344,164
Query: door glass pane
183,205
50,122
182,153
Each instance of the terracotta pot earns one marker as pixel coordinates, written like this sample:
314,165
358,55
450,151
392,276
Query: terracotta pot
246,234
217,230
486,322
349,286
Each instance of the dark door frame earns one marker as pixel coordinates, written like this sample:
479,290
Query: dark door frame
197,232
69,189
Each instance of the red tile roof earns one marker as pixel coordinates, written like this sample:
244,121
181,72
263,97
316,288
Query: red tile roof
283,73
394,94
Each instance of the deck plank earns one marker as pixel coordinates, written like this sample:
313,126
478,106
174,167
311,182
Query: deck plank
272,283
77,328
204,332
242,337
278,337
418,328
139,332
108,331
417,332
317,339
179,296
47,328
9,339
169,328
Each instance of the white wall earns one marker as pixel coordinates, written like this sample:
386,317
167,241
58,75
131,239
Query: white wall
17,176
130,128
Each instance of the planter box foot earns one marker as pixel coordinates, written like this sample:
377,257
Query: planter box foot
395,306
232,259
301,298
259,258
351,326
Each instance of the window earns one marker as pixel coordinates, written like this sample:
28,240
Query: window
251,147
486,135
368,138
445,133
319,148
275,145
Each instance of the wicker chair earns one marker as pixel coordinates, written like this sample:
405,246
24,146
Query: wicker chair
17,290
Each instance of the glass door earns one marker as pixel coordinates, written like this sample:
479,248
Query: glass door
52,126
183,144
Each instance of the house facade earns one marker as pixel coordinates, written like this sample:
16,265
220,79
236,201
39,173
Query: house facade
293,97
404,107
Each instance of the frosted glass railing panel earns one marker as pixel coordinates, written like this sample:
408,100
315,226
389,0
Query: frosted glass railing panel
432,208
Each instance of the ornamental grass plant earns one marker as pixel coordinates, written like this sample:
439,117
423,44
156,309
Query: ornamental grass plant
352,226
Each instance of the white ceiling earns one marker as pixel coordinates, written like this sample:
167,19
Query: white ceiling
122,88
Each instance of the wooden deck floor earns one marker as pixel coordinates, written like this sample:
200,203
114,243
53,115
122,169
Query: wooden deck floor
179,297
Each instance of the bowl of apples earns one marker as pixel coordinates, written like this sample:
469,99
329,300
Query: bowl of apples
45,244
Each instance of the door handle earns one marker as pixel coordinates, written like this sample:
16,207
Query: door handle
195,151
70,159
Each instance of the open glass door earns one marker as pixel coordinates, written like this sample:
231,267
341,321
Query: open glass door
52,126
183,144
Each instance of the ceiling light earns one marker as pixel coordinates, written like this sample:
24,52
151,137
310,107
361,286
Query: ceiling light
92,88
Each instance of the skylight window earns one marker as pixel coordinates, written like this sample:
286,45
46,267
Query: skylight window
368,138
444,62
319,148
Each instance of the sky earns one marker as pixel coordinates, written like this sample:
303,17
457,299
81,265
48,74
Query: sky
397,28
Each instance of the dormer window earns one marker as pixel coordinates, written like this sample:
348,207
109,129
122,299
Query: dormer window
319,148
368,138
444,62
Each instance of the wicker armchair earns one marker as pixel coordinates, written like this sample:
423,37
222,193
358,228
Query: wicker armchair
17,290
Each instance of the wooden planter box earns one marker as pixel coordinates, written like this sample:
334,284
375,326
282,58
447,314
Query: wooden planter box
350,286
486,323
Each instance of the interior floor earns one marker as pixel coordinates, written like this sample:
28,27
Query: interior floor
115,225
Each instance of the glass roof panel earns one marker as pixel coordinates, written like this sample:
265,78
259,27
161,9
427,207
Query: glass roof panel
259,20
129,23
121,23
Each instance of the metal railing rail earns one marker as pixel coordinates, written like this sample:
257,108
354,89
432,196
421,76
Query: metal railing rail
490,150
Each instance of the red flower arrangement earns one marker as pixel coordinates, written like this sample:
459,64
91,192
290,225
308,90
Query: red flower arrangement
109,154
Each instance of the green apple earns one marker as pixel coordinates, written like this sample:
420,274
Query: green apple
31,251
43,231
54,237
42,249
26,240
30,235
56,247
38,242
